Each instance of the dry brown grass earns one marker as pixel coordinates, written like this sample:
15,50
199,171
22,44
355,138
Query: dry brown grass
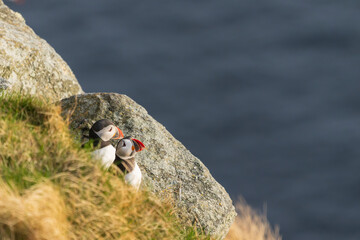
251,225
36,150
38,214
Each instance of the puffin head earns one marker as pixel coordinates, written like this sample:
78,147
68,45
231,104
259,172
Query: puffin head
105,130
127,147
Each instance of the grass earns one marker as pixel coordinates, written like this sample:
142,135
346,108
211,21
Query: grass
251,225
50,188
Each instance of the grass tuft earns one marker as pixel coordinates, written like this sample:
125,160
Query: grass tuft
37,214
250,224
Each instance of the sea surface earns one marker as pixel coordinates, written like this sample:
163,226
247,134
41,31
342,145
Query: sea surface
265,93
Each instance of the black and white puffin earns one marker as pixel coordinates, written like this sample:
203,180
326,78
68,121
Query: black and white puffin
126,150
100,134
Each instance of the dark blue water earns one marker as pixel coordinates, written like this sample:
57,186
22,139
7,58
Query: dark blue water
268,87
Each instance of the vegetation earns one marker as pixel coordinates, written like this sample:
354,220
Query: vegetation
251,225
50,188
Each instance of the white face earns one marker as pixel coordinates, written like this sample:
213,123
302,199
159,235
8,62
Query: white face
107,133
124,148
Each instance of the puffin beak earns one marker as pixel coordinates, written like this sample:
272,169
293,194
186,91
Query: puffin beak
118,134
139,145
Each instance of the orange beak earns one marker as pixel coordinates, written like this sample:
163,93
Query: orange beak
118,134
140,144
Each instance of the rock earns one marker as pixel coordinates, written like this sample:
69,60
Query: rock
28,63
167,166
4,84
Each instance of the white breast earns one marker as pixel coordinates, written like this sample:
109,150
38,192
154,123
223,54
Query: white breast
134,177
106,155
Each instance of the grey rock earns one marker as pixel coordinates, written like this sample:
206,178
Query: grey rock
167,166
4,84
28,63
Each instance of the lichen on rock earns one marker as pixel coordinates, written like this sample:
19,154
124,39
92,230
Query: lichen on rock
166,164
28,63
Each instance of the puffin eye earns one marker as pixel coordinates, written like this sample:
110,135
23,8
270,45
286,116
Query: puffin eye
110,129
123,144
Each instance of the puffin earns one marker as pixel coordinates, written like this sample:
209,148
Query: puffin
100,134
126,150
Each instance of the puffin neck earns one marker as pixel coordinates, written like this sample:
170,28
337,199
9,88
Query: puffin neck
125,165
